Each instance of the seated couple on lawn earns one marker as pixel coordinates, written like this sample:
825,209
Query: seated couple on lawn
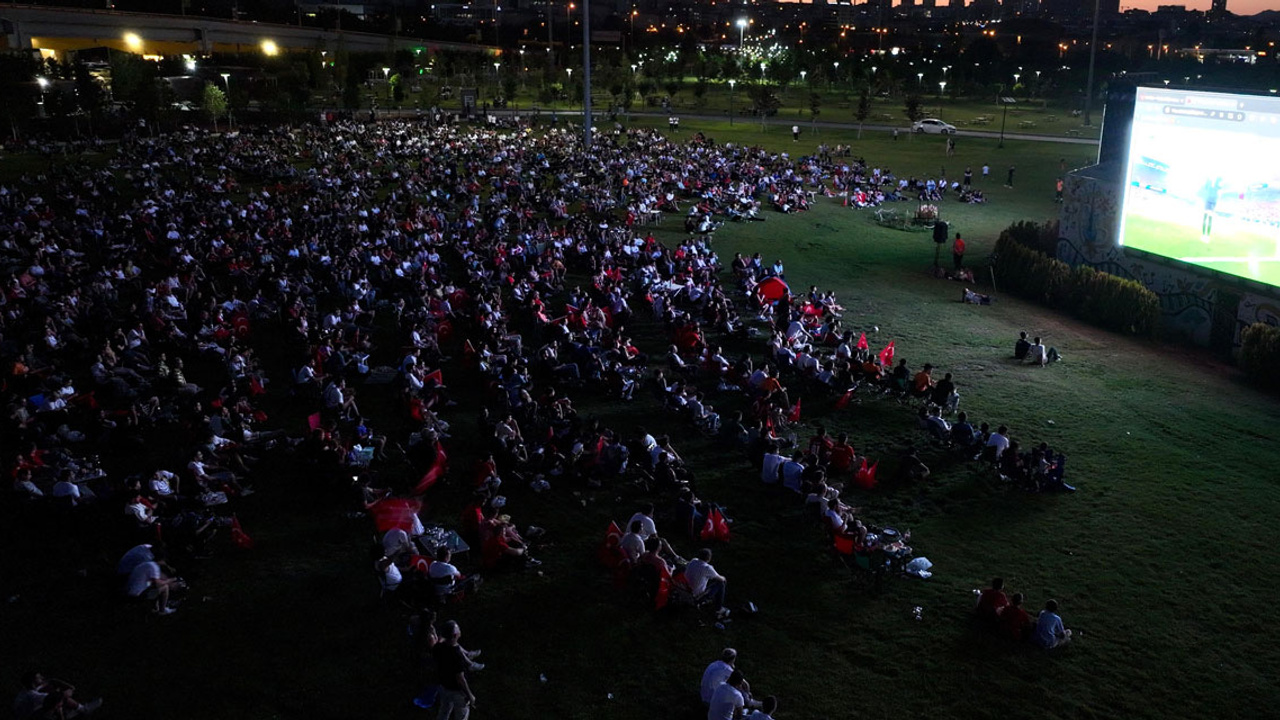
1034,352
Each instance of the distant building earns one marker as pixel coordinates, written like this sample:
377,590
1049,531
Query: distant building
1218,9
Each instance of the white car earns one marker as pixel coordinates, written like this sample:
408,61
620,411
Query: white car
933,126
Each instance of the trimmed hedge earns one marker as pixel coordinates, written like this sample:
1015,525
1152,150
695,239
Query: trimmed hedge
1095,297
1260,354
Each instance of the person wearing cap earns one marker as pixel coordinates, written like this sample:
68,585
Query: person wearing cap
717,672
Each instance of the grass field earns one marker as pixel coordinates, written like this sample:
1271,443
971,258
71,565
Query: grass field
1164,561
1171,228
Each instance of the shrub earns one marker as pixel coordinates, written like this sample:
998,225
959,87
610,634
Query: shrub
1260,354
1095,297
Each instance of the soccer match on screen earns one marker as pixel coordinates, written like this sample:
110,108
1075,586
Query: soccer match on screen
1203,182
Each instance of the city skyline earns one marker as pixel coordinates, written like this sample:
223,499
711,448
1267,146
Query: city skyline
1239,7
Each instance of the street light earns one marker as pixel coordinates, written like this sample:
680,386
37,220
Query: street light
803,73
226,80
942,87
1006,101
920,78
742,31
44,85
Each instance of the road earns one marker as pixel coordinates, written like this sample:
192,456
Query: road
750,121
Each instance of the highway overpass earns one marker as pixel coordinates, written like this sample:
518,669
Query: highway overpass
53,31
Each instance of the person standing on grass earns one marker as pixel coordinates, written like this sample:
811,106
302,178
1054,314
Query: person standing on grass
986,171
1049,632
1009,182
453,663
957,251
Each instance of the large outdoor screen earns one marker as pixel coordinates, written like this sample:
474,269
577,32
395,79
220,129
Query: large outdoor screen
1202,183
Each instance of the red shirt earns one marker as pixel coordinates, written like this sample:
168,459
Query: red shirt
991,602
1014,622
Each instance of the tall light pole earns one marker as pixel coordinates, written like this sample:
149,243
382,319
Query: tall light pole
44,85
586,74
226,80
742,31
386,78
1093,55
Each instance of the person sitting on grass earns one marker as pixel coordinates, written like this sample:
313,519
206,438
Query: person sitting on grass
150,583
992,602
1021,347
717,673
40,694
974,298
1049,632
705,582
962,433
447,577
1037,354
912,467
922,384
501,542
731,699
1014,622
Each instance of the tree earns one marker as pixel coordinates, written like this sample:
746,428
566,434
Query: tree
214,103
673,88
911,106
863,110
700,90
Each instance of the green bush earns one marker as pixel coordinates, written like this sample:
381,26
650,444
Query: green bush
1095,297
1260,353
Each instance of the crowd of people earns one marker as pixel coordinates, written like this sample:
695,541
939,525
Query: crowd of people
157,309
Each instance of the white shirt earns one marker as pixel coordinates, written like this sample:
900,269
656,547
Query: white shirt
999,442
1036,354
726,703
141,578
713,677
391,577
698,574
395,542
137,555
647,528
441,570
633,545
769,471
